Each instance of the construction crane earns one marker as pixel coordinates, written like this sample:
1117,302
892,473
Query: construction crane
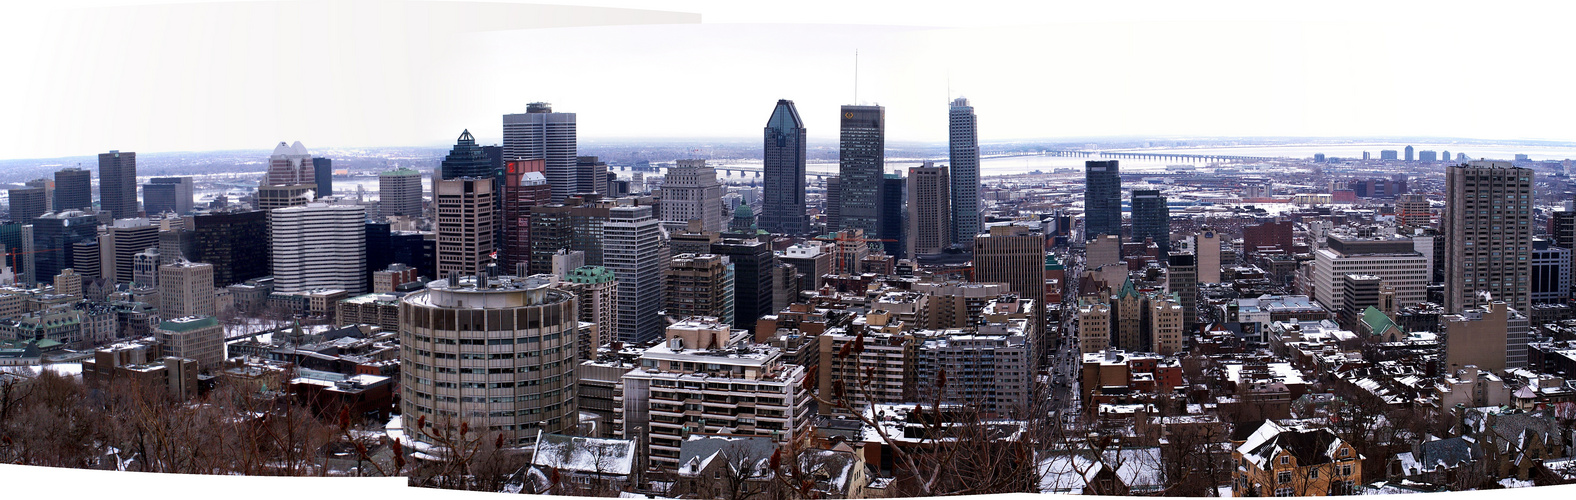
13,258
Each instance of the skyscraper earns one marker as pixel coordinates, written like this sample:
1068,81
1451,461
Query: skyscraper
892,216
167,194
236,243
318,245
73,189
186,289
596,293
465,224
53,236
289,165
1207,248
690,191
466,159
590,175
632,249
120,244
964,153
753,261
323,176
118,184
783,211
861,164
1409,153
28,203
1015,255
399,193
1487,228
1151,218
834,204
930,222
524,186
1102,199
699,285
541,133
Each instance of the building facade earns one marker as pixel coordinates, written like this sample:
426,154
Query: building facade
319,246
963,153
783,196
118,183
541,133
1488,235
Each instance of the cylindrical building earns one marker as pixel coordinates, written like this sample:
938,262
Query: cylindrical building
499,357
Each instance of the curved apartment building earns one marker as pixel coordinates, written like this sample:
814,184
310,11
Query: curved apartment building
499,357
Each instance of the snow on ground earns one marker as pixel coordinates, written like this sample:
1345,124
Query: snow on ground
65,369
1511,482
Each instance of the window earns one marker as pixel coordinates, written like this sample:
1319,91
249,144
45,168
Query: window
1283,492
1285,459
1313,473
1283,477
1346,470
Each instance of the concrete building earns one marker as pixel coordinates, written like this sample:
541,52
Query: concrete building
988,367
1394,260
1413,210
1182,281
690,191
541,133
186,289
633,251
812,259
929,210
1492,337
596,293
388,280
1487,228
963,155
890,356
118,184
1206,246
168,194
498,354
1094,327
699,285
119,245
1103,250
753,283
199,338
465,224
399,193
590,176
319,246
1165,325
27,204
783,207
1015,255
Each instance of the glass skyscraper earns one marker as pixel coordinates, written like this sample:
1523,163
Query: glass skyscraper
783,210
860,150
1102,199
964,153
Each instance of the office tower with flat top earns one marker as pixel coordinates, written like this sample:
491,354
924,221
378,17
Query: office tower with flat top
1102,199
118,184
1487,227
861,166
73,189
929,213
541,133
964,153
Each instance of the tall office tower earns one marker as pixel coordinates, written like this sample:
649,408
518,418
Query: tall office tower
73,189
11,246
590,175
198,338
930,222
118,184
1182,281
319,246
379,245
699,285
783,211
596,294
48,186
1412,210
1395,260
167,194
323,176
186,289
236,243
1102,199
290,165
1015,255
861,163
690,191
466,159
530,326
53,237
1206,245
1151,218
1409,156
558,226
892,216
494,157
85,258
399,193
753,261
1488,230
28,203
145,268
1551,273
1491,336
834,204
416,249
632,249
120,244
1562,232
465,224
964,153
541,133
524,186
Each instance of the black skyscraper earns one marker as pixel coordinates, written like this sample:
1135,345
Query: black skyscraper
415,249
860,152
783,208
236,243
753,261
380,248
467,160
167,194
892,212
54,237
118,184
323,175
28,203
73,189
1102,199
1152,218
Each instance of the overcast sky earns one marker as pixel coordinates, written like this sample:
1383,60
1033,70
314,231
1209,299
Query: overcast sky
90,76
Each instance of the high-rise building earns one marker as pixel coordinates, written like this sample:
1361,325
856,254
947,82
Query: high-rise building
964,153
1428,155
416,249
379,248
1182,281
118,184
28,203
73,189
783,211
53,237
465,224
1412,210
596,293
120,244
861,164
530,326
811,259
1207,247
1551,273
930,221
541,133
1165,325
323,176
48,185
690,191
466,159
1409,156
753,261
1269,237
558,226
167,194
1488,230
399,192
699,285
1094,326
319,246
145,268
198,338
186,289
289,165
1491,336
1152,219
236,243
524,186
633,250
1388,154
1102,198
895,240
834,204
1015,255
1396,261
590,175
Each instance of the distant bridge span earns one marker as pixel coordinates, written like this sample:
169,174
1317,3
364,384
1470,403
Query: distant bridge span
743,170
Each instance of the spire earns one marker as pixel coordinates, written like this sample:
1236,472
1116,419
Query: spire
1127,288
466,136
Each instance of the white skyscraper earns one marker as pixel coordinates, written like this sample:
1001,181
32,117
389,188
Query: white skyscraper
632,249
319,246
690,191
541,133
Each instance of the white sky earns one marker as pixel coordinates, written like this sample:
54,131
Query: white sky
90,76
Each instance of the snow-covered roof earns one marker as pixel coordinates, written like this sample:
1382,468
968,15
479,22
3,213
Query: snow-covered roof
611,457
1138,468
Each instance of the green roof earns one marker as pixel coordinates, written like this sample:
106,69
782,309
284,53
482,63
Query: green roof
1377,321
1051,264
189,324
400,171
590,274
1127,289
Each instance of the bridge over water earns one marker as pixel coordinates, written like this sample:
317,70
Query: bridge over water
742,170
